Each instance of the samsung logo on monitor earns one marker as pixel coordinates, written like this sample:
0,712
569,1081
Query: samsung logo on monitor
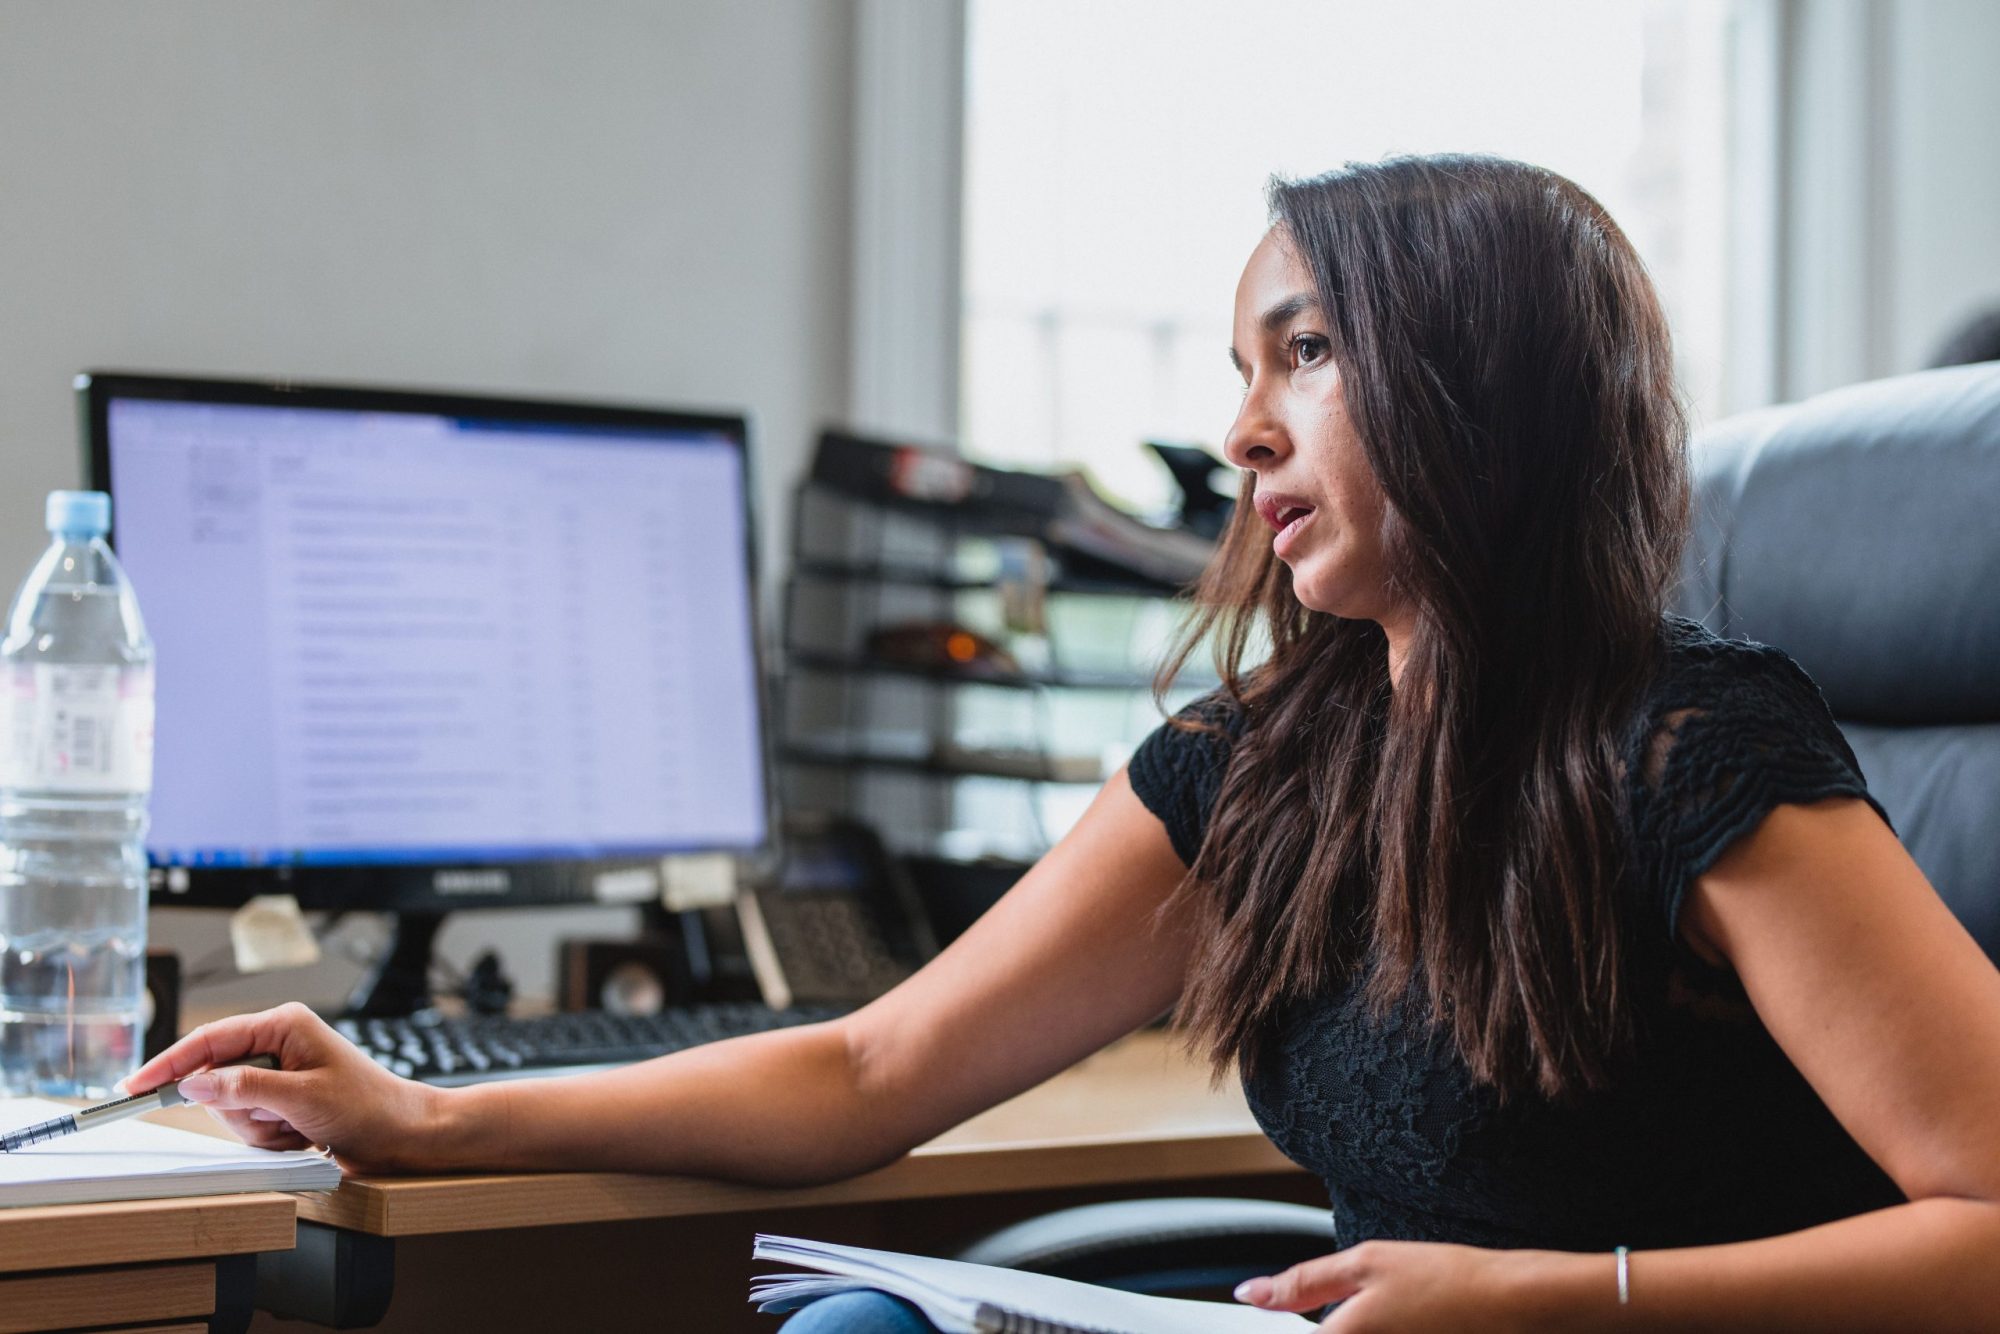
470,882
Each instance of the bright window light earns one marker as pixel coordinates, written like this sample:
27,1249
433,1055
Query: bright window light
1117,153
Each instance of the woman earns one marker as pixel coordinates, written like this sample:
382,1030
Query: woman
1540,925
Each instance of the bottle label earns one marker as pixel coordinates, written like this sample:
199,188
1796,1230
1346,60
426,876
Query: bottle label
65,727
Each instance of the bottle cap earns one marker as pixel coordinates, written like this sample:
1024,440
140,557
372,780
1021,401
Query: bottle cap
80,514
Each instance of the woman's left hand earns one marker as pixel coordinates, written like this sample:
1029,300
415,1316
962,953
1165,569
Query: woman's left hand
1410,1287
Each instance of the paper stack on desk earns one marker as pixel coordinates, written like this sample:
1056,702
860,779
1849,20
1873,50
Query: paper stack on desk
136,1160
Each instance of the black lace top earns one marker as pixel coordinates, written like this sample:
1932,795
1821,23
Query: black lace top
1714,1136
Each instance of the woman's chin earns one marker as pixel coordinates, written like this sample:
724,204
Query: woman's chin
1310,590
1316,595
1312,602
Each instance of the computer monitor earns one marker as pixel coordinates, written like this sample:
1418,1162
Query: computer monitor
425,651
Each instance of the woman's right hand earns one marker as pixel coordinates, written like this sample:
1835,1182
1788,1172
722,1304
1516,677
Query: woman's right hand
325,1091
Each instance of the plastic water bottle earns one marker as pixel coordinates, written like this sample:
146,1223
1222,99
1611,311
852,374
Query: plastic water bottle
76,766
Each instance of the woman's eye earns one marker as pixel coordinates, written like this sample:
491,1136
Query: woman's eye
1307,349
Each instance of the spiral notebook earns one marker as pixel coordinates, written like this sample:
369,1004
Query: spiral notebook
963,1298
136,1160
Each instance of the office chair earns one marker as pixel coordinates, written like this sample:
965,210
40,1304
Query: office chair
1169,1247
1860,532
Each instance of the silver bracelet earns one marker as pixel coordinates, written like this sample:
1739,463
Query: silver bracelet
1624,1276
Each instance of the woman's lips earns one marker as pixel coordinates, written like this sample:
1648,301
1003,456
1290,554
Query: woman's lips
1288,535
1286,513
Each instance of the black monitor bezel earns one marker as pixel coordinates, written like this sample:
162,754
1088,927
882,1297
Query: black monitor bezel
415,887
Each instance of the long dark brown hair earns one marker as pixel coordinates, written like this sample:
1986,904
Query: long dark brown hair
1458,840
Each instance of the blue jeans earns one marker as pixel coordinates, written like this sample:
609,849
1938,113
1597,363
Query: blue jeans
858,1313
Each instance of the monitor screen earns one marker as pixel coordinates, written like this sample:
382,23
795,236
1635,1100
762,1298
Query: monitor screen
418,646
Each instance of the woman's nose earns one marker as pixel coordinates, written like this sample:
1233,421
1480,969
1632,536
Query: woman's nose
1253,437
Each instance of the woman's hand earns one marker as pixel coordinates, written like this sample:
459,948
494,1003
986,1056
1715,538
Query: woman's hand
1410,1287
325,1091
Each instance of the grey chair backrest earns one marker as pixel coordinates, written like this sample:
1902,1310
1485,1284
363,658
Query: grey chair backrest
1860,532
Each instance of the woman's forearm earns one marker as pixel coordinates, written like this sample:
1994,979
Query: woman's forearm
1931,1264
780,1108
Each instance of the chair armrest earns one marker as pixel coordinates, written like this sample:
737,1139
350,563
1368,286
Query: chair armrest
1173,1245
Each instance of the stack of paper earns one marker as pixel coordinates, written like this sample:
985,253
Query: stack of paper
964,1298
136,1160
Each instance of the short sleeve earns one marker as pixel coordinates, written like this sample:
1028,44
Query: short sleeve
1731,732
1177,774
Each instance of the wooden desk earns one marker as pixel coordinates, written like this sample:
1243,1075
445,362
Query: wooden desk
606,1251
150,1266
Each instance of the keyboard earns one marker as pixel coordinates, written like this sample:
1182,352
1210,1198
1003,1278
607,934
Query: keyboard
469,1050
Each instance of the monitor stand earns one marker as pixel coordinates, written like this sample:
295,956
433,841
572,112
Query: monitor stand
398,983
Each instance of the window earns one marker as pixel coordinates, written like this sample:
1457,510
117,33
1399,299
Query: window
1116,156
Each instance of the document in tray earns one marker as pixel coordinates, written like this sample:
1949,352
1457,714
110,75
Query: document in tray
962,1298
136,1160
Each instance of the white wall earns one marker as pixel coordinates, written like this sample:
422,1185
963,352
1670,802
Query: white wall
624,199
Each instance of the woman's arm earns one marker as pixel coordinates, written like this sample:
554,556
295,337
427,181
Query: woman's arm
1070,959
1891,1010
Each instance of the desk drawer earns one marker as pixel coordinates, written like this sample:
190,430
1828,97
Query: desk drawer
32,1303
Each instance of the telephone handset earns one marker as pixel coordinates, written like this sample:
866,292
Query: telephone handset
840,922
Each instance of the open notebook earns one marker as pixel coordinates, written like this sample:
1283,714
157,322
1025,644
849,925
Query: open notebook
979,1299
136,1160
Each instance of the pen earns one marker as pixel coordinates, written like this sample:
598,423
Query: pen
166,1095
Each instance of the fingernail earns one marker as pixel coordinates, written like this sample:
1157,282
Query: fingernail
120,1089
1255,1291
198,1088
